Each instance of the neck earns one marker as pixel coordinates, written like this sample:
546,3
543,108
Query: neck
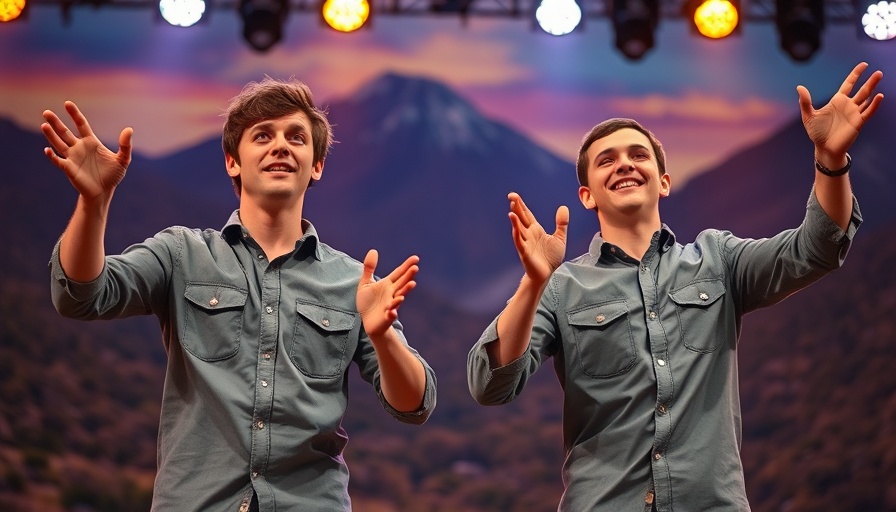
274,227
629,234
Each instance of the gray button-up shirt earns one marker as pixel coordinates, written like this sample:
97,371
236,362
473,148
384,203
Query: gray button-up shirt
646,355
258,356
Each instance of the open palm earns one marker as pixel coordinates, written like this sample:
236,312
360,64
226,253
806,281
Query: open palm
539,252
378,300
834,127
92,168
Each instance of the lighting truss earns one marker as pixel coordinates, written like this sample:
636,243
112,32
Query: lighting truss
836,11
751,11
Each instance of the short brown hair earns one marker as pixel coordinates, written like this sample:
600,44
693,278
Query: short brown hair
606,128
270,99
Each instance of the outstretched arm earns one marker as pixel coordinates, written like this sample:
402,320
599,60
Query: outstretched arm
402,376
540,254
95,172
833,128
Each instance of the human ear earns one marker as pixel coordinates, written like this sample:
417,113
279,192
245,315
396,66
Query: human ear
317,171
665,185
233,167
586,198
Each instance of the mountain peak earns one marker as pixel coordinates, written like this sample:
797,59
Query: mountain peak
403,105
393,86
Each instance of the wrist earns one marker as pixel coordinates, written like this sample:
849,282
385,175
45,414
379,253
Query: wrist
94,206
838,170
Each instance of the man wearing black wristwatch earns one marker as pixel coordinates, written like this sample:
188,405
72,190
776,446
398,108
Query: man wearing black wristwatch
643,329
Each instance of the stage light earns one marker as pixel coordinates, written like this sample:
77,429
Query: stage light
800,23
634,22
345,15
263,22
182,13
877,20
450,6
11,9
558,17
714,19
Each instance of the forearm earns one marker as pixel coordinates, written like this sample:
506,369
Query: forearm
82,248
834,193
515,324
402,376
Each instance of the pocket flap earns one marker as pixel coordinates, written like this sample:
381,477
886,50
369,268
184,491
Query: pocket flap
701,293
598,315
212,297
328,319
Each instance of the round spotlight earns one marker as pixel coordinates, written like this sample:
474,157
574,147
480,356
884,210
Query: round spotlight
879,21
11,9
716,19
346,15
558,17
182,13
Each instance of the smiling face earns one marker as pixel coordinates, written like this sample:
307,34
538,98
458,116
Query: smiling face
623,178
275,159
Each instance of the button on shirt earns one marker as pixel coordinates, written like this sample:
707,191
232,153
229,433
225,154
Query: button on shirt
258,353
646,354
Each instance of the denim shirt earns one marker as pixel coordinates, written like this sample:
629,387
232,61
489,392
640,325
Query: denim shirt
258,355
646,355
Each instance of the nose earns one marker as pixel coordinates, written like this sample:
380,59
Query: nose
625,165
280,148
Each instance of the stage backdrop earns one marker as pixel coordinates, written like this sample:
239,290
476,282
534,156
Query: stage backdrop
437,121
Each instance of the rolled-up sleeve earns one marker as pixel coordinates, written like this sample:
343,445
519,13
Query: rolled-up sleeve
129,284
498,385
370,371
419,416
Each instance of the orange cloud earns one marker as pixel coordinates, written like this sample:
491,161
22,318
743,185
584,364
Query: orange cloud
697,106
167,112
337,64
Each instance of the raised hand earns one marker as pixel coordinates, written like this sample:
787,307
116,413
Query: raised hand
92,168
378,301
539,252
834,127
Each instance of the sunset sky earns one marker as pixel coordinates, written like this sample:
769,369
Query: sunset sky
704,99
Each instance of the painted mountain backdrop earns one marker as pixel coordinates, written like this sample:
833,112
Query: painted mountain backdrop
419,170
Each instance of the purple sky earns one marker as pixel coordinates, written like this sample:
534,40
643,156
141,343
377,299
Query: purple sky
704,99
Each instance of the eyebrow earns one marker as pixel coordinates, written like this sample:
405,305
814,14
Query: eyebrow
613,150
265,125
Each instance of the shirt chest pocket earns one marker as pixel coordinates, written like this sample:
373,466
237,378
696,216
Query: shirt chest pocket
700,314
213,320
603,338
320,345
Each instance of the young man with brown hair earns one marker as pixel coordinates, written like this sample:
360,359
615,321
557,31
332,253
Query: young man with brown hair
643,329
260,320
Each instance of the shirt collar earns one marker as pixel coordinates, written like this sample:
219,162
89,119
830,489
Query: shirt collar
667,239
599,247
234,231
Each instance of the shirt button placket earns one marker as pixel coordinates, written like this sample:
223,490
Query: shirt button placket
264,383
